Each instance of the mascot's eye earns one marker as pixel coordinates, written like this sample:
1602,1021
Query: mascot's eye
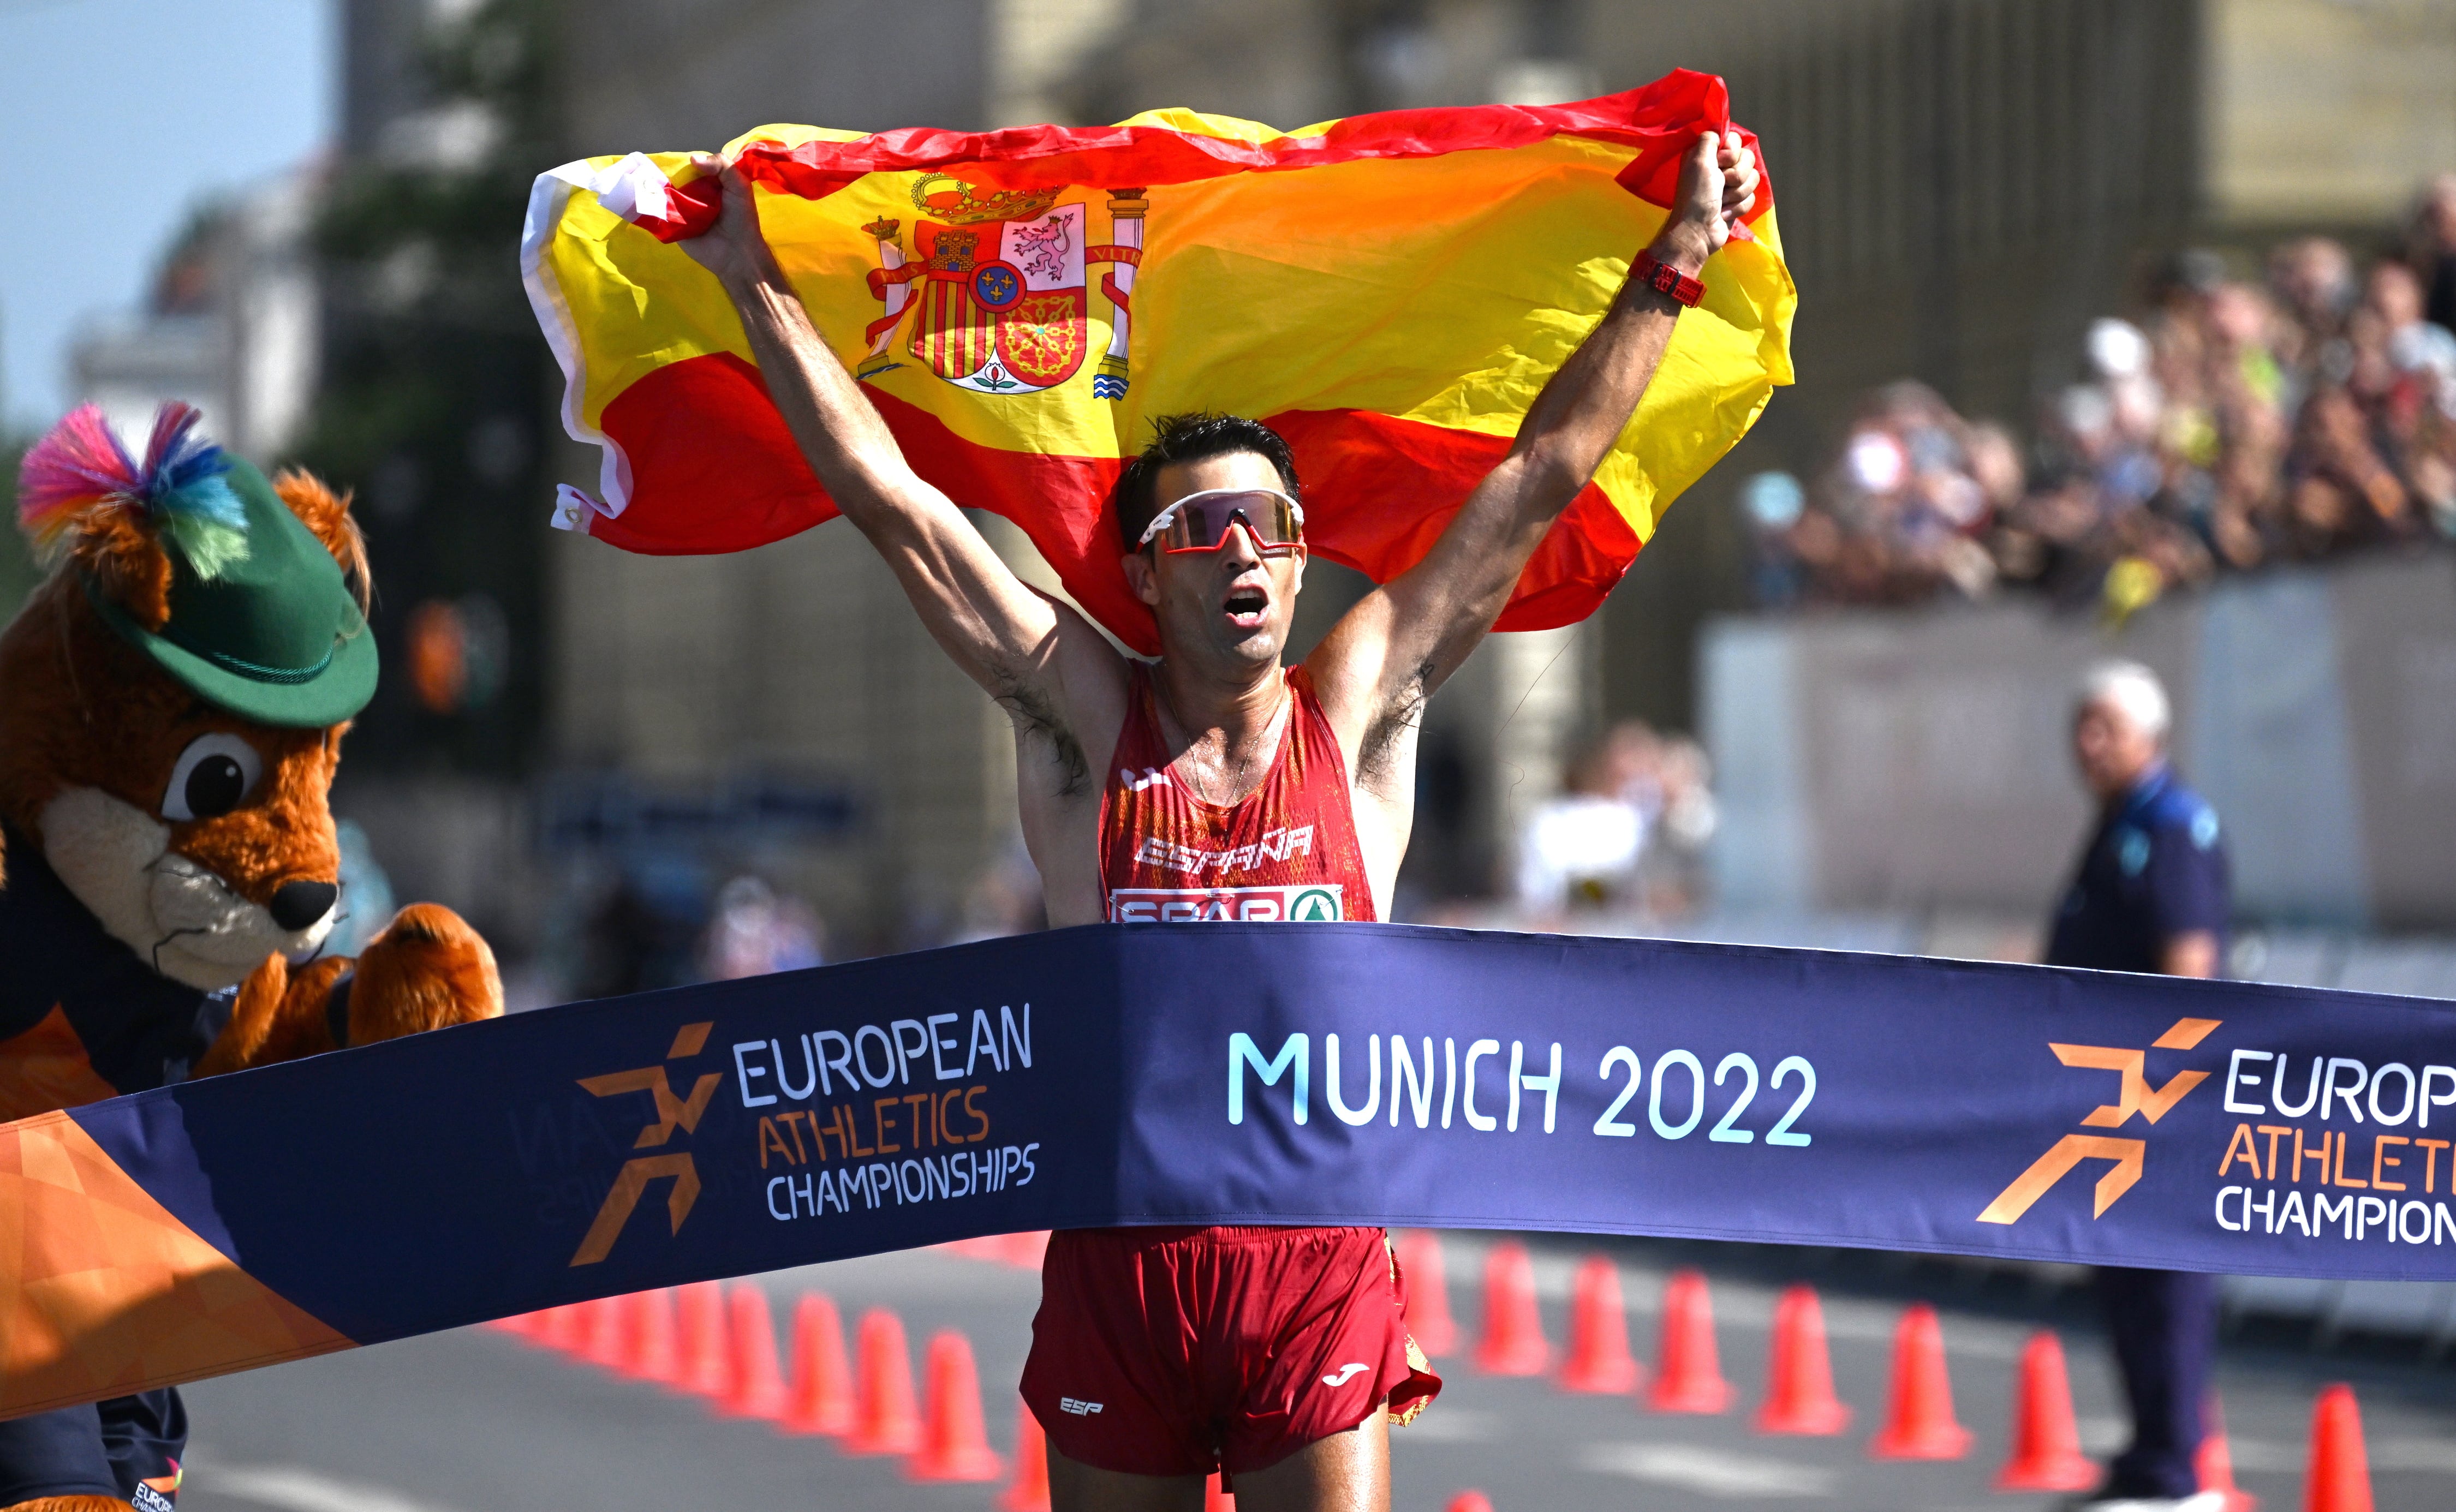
213,776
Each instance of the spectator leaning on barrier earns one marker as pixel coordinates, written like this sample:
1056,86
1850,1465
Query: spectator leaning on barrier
2150,894
1682,817
1581,848
1627,834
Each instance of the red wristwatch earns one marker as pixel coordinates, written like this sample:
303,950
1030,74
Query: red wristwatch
1665,278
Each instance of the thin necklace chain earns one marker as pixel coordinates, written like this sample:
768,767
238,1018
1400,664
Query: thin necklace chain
1271,738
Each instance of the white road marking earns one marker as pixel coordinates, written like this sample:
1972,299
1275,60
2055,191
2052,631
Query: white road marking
1443,1424
294,1489
2104,1437
1716,1472
2280,1457
2414,1454
2269,1455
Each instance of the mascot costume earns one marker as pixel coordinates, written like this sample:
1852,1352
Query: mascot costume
172,704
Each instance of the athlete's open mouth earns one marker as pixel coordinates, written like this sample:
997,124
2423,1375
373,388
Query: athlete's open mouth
1246,606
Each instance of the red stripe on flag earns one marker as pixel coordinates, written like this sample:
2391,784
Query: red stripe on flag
1659,120
714,469
1379,491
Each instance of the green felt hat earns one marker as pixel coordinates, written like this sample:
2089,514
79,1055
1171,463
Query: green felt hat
272,635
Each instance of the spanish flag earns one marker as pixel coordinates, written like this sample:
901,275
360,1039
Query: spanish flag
1388,292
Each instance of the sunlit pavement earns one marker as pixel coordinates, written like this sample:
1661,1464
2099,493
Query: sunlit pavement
478,1421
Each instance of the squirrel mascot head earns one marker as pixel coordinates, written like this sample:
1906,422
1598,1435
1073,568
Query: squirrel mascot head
172,699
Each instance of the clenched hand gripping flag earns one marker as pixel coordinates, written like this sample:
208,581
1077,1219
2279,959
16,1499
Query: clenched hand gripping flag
1389,291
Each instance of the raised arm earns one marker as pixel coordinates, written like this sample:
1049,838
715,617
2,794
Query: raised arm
1388,653
1037,657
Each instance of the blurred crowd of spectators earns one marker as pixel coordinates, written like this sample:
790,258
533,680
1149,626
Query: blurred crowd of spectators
2237,424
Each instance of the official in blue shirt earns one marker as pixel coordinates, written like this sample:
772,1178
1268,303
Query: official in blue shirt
2151,894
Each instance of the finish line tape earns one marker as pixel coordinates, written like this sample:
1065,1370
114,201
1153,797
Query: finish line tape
1222,1073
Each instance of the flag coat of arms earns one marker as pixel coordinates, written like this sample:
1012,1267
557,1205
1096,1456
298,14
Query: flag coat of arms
1388,292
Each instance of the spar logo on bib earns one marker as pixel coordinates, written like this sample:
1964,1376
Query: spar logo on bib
1301,902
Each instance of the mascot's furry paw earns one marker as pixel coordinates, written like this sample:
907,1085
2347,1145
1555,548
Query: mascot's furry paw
71,1504
427,969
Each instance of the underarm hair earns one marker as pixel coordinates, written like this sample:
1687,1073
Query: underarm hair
1037,718
1405,712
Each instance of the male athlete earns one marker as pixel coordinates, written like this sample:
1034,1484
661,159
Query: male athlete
1269,1353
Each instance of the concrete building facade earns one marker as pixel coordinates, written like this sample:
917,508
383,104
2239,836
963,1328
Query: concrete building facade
231,327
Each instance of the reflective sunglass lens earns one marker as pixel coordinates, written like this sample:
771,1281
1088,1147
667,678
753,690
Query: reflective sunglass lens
1200,521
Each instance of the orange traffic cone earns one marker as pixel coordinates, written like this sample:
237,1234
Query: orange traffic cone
653,1356
2339,1477
1469,1501
758,1386
562,1327
821,1401
2214,1464
954,1446
706,1368
1428,1292
2046,1439
885,1420
1688,1377
608,1323
1215,1499
1918,1418
1029,1490
1513,1340
1800,1375
1599,1358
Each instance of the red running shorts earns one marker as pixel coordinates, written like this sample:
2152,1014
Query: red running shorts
1177,1351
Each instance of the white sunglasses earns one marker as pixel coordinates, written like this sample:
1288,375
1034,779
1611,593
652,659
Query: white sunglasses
1200,522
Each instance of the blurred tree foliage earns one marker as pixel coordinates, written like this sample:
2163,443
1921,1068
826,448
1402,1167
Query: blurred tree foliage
435,385
18,573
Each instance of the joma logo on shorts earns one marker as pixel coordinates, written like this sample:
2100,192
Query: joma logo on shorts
1080,1409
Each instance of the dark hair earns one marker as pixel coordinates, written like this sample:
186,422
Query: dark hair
1190,439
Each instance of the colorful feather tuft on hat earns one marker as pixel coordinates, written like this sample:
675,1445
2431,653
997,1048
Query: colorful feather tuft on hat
81,467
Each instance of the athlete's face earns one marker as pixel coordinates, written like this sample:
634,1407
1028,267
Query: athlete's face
1233,605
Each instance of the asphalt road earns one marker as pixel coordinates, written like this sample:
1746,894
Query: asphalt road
478,1422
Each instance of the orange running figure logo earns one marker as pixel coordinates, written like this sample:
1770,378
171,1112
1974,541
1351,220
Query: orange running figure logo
2136,1095
672,1113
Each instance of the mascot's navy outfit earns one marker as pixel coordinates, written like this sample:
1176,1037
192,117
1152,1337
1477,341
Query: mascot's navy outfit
137,1029
2155,870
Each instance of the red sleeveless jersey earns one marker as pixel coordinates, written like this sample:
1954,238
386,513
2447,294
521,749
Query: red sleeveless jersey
1287,851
